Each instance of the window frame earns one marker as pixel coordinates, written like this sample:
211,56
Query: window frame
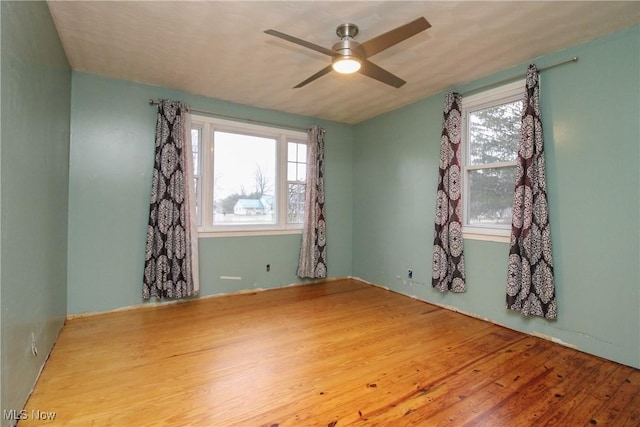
208,125
503,94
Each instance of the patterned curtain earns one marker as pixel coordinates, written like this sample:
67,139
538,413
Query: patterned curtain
312,262
171,257
530,282
448,257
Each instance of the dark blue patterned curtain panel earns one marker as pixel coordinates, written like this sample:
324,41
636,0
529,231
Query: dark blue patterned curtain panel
312,262
171,269
448,254
530,282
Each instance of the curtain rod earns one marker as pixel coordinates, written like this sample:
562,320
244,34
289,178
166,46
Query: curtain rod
244,119
519,76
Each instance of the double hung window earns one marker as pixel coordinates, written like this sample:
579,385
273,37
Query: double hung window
491,134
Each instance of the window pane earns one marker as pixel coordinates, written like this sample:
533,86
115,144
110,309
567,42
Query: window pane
295,211
302,153
196,181
291,171
244,179
302,172
491,196
195,149
196,143
297,165
494,133
292,151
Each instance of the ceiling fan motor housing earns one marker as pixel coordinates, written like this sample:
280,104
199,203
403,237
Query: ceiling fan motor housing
347,30
347,47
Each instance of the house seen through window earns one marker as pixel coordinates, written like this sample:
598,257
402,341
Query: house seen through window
248,178
491,132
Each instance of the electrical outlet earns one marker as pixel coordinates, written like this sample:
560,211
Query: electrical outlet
268,267
410,273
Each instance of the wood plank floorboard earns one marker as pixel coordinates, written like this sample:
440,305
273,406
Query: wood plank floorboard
339,353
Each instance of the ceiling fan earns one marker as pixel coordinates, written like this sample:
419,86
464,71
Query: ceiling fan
349,56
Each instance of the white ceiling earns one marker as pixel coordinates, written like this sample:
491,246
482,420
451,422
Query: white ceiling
218,48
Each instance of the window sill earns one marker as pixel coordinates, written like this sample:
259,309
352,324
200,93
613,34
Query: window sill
247,233
487,234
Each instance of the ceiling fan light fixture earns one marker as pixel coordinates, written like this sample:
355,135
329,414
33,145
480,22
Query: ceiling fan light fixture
348,56
346,64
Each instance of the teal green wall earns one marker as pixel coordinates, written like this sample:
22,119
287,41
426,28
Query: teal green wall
34,140
591,115
112,146
75,160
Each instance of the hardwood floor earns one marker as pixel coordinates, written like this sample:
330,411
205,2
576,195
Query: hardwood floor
332,354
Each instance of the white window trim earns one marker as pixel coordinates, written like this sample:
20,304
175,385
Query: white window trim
208,125
506,93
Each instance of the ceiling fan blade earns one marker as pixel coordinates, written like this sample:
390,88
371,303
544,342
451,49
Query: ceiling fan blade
390,38
370,69
317,75
301,42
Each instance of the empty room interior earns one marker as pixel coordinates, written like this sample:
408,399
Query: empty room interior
207,221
